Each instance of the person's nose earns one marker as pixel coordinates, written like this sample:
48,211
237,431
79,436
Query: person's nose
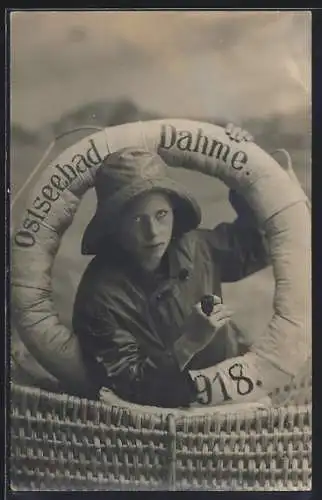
151,228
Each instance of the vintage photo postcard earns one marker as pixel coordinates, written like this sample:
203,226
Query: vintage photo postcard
160,276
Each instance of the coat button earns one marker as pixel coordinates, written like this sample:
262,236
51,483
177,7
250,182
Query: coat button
183,274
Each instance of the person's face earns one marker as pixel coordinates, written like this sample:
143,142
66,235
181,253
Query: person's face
145,229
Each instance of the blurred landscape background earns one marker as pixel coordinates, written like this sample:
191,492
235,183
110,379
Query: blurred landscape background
70,69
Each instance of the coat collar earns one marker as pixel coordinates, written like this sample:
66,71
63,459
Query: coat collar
181,256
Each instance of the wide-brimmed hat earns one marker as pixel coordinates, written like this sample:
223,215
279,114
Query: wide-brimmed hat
124,175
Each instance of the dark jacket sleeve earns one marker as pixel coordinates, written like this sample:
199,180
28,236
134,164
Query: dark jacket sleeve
124,367
239,247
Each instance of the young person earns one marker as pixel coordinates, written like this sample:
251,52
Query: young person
137,311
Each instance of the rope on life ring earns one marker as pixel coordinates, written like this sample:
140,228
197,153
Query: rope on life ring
289,169
46,154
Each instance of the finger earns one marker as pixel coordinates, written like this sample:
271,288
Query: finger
217,308
197,307
229,128
217,300
249,137
224,314
221,323
236,133
220,307
242,135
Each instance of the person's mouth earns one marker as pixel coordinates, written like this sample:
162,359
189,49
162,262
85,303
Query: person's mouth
153,246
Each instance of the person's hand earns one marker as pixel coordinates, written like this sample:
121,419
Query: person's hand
238,134
199,328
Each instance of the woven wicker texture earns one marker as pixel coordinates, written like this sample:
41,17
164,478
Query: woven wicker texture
60,442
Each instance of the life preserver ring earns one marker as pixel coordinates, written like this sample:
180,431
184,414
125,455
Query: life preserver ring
279,205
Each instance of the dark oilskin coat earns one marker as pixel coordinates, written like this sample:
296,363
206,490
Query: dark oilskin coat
127,320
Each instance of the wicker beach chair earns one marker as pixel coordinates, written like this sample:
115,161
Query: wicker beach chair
61,442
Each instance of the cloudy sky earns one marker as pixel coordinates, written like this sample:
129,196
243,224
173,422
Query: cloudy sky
230,64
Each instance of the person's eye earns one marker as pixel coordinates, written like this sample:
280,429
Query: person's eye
161,214
137,219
